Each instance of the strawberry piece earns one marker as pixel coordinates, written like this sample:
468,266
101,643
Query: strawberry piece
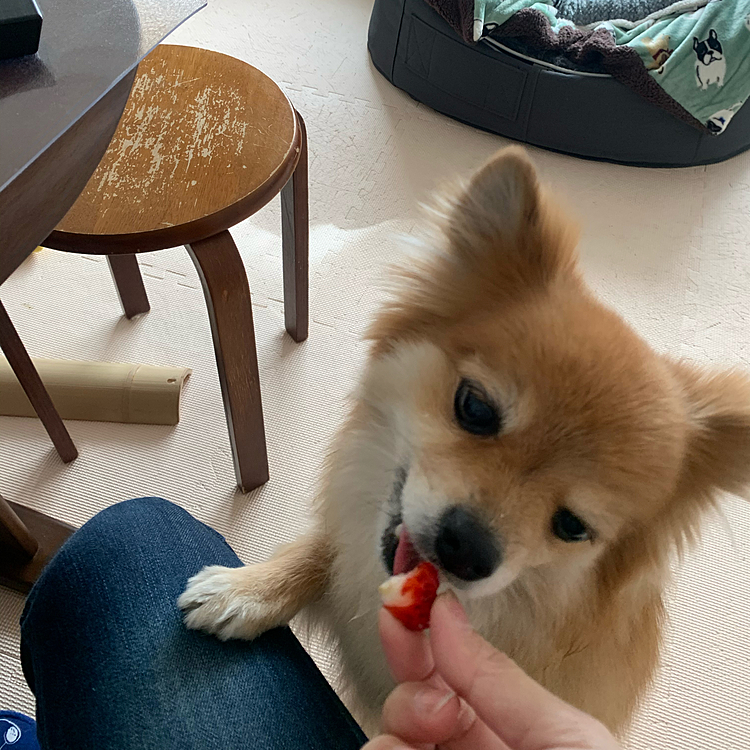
409,596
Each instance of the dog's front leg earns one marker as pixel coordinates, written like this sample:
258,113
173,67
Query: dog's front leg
245,602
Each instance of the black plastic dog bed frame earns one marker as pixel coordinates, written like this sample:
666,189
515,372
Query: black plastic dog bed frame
591,116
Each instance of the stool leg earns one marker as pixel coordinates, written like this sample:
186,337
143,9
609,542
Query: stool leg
28,541
230,311
30,381
295,231
15,537
129,283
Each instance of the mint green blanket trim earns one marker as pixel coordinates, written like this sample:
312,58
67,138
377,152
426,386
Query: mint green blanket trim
710,78
499,11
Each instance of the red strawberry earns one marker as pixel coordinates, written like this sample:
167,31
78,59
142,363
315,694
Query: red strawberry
409,596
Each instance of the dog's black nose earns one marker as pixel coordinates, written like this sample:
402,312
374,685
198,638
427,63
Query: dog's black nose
465,546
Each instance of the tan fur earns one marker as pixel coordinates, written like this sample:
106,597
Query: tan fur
594,421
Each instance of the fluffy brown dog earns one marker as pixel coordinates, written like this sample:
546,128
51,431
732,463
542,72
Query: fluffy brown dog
517,433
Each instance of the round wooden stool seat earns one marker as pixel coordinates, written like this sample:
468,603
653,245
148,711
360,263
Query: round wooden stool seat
204,142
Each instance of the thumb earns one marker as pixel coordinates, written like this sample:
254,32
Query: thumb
519,710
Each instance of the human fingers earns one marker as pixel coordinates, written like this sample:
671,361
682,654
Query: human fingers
421,712
517,709
408,653
430,713
410,713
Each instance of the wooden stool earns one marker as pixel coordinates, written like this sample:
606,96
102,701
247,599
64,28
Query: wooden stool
205,141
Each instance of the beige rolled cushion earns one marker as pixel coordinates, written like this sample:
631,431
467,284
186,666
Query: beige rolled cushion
100,391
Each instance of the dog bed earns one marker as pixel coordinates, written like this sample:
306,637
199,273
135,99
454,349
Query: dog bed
650,85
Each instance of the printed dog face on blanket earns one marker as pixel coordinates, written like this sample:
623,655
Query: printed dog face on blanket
711,66
659,49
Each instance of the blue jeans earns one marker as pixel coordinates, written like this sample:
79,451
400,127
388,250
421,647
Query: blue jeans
113,667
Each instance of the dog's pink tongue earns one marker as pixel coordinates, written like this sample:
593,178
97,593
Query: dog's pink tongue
407,558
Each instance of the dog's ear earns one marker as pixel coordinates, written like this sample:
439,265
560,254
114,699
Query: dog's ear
497,237
499,202
695,43
718,446
712,34
503,222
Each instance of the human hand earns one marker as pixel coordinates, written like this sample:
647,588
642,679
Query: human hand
459,693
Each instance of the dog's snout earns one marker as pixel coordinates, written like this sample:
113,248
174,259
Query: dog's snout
465,546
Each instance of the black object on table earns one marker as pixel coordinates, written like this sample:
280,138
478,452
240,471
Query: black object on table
20,28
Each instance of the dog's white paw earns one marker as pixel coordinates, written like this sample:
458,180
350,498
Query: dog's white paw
220,601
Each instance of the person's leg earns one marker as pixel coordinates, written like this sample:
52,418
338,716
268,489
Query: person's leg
112,666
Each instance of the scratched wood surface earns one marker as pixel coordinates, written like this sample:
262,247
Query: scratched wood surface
201,132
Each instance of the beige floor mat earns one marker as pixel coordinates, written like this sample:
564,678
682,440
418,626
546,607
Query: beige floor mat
668,249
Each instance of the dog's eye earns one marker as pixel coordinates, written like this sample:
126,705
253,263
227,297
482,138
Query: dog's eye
474,411
568,527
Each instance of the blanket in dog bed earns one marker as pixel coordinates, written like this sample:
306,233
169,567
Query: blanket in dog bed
690,57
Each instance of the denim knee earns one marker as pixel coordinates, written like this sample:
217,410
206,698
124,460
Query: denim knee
138,510
145,518
127,536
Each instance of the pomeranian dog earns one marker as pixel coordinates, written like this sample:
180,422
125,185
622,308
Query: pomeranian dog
515,432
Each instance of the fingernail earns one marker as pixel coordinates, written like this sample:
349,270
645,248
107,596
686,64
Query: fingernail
428,700
456,609
466,717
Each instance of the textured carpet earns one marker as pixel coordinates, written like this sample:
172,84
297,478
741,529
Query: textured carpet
668,249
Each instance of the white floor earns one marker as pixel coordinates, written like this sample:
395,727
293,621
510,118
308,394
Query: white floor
668,249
